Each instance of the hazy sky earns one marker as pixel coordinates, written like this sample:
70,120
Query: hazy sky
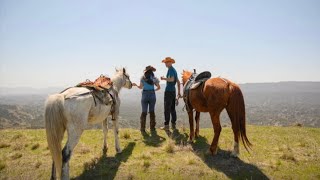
60,43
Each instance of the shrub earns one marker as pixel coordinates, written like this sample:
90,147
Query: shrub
4,145
169,147
16,156
35,146
126,135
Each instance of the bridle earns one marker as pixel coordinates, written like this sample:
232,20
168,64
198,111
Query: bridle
127,78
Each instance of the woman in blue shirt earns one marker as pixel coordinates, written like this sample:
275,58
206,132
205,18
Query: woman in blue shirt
147,83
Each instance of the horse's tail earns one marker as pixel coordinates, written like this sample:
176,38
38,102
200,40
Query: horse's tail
237,114
55,123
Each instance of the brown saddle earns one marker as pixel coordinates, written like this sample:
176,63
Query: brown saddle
99,84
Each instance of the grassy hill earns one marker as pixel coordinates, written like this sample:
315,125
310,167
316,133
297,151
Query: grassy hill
278,153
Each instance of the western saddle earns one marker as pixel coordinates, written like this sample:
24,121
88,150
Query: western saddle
193,83
101,89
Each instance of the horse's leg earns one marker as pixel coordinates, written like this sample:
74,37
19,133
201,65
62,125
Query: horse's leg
191,136
105,135
116,134
197,123
236,133
235,151
73,139
217,129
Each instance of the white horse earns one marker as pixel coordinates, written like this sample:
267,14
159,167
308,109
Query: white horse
73,110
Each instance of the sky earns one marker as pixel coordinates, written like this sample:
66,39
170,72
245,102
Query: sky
61,43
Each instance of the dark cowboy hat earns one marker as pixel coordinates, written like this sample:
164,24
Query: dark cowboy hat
150,68
168,59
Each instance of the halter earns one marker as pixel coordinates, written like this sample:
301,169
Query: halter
127,77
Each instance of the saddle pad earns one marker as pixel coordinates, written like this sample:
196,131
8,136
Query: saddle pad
196,85
103,81
99,84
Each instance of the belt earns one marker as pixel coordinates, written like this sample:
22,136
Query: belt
148,90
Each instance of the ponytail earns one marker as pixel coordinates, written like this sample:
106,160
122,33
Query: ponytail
148,77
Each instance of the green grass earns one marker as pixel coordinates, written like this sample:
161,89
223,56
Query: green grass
278,153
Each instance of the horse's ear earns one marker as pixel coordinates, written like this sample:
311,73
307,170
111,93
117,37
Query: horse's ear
124,71
116,69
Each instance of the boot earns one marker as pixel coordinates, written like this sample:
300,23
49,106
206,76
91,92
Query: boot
152,121
143,118
166,127
173,126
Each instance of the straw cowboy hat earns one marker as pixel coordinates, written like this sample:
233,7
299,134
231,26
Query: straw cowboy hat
150,68
168,59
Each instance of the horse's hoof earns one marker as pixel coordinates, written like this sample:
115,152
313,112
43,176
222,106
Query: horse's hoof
104,150
119,151
214,152
190,141
234,154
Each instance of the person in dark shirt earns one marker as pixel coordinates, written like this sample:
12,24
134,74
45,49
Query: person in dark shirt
170,94
148,99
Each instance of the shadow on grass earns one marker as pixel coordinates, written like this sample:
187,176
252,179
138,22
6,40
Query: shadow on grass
180,139
153,139
106,167
232,167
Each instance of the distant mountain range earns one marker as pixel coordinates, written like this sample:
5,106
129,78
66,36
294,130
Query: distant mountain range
278,104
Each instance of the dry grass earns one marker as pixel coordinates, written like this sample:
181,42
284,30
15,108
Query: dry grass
15,137
293,155
297,124
15,156
191,160
146,156
130,176
4,145
170,146
83,149
17,147
146,164
91,164
126,135
288,156
183,128
2,165
35,146
37,164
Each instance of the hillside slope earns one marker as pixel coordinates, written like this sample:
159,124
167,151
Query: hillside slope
272,104
278,153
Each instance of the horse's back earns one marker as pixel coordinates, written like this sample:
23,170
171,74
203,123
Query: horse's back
217,92
73,91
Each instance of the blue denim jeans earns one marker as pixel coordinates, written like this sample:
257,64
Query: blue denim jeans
148,100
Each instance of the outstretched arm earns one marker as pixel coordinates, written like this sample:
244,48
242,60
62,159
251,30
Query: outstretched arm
140,86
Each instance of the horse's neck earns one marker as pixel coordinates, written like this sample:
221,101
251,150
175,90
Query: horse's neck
117,83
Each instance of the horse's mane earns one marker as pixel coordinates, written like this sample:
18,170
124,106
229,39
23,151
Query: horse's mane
185,75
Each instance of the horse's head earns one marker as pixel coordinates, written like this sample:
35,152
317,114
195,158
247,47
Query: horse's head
185,76
126,82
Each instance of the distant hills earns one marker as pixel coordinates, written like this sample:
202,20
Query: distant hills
278,104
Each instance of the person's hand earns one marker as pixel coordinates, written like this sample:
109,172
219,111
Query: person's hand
134,84
179,96
162,78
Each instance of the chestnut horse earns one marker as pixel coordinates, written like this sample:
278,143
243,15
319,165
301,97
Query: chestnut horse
213,96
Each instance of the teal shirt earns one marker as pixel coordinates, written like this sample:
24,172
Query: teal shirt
171,73
147,86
